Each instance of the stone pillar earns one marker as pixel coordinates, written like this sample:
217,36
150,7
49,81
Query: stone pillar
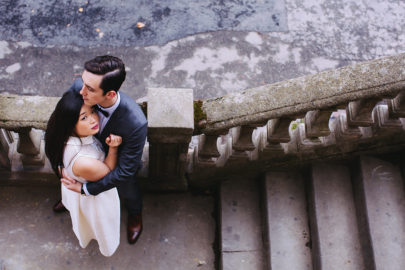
242,143
359,112
170,127
396,106
30,146
277,133
317,123
5,140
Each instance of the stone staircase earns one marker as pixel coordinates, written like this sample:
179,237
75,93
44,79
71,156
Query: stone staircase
347,214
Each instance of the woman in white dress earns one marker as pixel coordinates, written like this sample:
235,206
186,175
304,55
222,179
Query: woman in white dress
69,143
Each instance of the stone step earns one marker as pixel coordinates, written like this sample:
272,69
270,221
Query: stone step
241,226
288,232
334,229
381,205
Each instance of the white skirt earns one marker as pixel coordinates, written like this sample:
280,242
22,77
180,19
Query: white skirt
95,217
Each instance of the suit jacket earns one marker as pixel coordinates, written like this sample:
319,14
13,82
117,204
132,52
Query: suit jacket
129,122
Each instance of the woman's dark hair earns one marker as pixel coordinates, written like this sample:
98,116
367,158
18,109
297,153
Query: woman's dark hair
112,68
61,126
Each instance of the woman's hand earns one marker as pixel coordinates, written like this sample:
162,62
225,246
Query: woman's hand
113,140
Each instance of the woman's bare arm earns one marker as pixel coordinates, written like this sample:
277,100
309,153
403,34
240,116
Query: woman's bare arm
92,169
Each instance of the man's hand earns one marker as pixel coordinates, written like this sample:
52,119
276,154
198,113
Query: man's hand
70,183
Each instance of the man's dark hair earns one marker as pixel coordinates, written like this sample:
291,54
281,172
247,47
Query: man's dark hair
112,68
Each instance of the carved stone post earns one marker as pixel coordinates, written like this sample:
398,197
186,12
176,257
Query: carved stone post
170,127
317,123
30,146
277,133
359,112
384,125
208,152
5,140
396,106
242,143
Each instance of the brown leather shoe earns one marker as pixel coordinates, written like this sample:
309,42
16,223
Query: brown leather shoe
59,207
134,228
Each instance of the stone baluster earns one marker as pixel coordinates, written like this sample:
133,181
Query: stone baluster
277,133
359,112
207,153
31,148
396,106
224,145
384,125
305,143
344,132
317,123
170,128
5,140
346,136
242,143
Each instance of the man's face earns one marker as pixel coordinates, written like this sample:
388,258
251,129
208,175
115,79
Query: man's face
91,91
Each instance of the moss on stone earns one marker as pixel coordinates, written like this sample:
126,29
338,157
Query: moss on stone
200,117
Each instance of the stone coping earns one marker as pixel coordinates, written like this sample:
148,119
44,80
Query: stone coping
381,77
377,78
25,111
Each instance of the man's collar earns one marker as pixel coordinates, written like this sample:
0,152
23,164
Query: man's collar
111,109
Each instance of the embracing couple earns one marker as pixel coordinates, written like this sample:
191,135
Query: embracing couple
94,142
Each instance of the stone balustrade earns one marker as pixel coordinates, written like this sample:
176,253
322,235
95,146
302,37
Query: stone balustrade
325,115
336,112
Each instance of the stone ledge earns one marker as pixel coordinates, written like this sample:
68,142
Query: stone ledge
25,111
376,78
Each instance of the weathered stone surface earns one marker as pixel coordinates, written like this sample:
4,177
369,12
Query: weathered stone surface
4,149
287,221
336,241
383,204
243,260
240,218
25,111
170,127
319,91
179,230
170,115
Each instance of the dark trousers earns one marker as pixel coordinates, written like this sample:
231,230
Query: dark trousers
130,194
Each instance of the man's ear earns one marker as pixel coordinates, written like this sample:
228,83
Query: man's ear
111,94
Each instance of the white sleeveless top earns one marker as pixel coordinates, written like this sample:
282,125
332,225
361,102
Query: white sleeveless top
81,147
93,217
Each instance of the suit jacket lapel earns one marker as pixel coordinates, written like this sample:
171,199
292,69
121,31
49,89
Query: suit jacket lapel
109,127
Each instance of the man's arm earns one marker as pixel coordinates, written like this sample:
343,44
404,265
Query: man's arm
77,85
129,160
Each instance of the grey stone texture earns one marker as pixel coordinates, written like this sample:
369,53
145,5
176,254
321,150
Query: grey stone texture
287,221
321,35
179,232
112,22
336,240
170,115
25,111
241,225
383,203
246,260
327,89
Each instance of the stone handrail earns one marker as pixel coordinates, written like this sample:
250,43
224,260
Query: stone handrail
376,78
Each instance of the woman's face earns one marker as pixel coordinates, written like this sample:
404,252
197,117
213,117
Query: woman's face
87,123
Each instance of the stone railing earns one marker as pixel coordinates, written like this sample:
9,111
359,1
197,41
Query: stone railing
334,113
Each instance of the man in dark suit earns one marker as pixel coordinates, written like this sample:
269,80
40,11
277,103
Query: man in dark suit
119,115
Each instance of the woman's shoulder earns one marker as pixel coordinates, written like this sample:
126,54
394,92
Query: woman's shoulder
73,140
